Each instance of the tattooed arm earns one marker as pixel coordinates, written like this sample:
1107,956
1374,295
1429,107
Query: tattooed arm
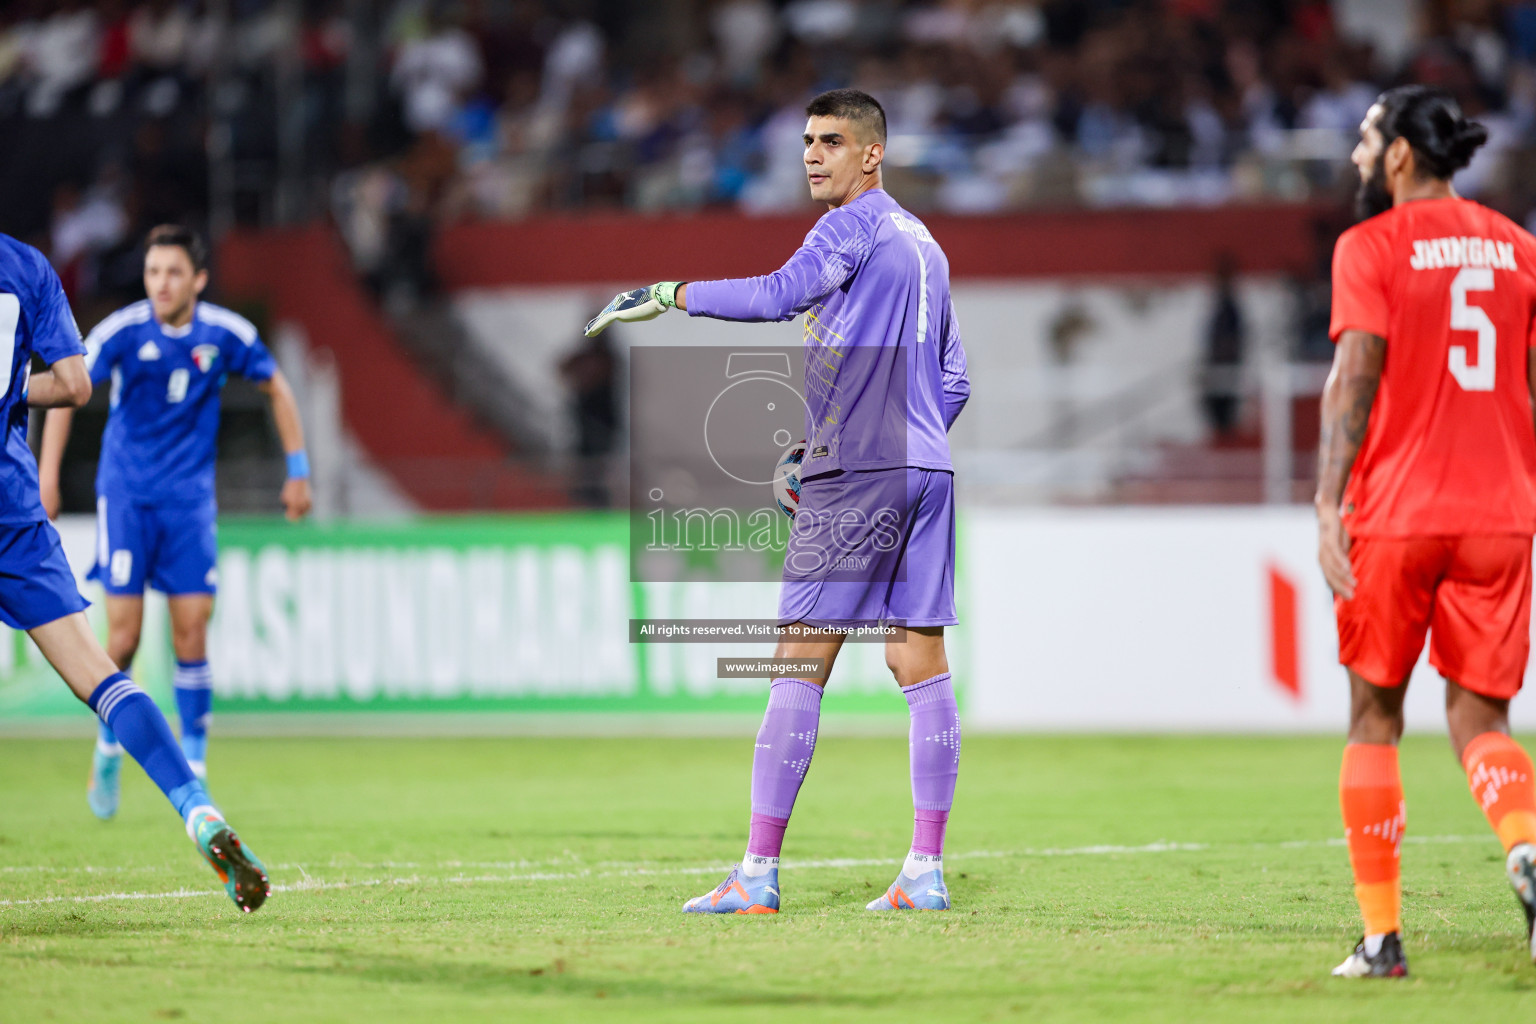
1347,400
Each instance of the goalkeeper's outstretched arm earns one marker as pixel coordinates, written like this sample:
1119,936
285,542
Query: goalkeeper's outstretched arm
812,273
831,253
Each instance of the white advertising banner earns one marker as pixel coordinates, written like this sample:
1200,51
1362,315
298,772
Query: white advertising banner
1147,619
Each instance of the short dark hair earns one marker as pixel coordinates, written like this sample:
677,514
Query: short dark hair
174,234
853,105
1443,140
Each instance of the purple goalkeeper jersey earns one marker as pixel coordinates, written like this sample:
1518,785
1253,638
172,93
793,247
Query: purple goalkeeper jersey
884,368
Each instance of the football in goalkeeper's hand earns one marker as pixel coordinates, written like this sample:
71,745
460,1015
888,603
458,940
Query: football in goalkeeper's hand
634,306
786,479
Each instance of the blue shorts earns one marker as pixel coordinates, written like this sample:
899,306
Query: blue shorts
881,550
36,584
172,548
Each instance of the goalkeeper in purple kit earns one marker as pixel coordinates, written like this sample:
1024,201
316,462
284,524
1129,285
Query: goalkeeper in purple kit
885,379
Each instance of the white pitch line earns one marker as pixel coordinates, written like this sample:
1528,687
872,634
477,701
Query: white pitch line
610,869
527,865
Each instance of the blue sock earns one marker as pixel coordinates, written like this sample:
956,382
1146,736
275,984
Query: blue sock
194,703
146,735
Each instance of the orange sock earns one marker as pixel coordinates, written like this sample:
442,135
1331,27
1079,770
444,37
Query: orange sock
1371,797
1501,777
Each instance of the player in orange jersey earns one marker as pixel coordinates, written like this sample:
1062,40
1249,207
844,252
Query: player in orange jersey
1426,497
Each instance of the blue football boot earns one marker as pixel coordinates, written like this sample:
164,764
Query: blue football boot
925,892
739,894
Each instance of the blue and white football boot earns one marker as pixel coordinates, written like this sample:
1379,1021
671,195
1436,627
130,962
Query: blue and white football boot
739,894
925,892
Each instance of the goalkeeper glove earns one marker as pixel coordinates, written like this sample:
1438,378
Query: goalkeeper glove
634,306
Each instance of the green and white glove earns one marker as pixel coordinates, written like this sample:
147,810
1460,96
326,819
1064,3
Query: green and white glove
634,306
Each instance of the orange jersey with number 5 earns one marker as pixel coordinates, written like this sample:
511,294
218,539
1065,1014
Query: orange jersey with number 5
1450,447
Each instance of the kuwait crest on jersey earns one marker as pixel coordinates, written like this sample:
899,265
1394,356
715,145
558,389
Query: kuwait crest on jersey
204,355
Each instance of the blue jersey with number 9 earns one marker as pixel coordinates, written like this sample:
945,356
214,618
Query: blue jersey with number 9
34,318
162,431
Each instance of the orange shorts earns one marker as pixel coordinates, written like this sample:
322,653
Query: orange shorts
1472,593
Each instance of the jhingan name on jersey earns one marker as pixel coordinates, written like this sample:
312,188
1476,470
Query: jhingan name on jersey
1432,253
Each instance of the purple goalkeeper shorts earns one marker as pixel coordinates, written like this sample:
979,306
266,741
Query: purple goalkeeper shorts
872,547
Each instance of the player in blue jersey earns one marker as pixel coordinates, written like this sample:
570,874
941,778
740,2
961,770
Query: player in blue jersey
885,378
167,358
37,588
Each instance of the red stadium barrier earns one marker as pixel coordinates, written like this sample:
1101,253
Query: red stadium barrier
615,247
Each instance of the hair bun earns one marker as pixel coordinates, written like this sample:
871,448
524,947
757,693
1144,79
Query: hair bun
1429,117
1469,135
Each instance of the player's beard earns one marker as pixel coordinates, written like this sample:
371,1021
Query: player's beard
1372,196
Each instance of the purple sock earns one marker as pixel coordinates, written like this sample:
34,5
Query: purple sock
928,832
766,836
785,744
934,741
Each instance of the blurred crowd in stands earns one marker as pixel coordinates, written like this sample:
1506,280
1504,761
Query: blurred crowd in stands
394,116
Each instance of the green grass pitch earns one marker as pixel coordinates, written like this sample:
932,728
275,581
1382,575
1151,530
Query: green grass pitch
1093,878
